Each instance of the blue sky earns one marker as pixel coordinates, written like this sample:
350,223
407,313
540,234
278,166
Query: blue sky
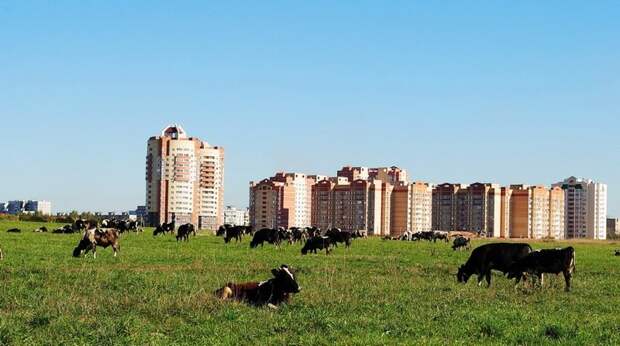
506,92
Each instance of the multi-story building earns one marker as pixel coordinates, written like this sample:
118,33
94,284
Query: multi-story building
184,180
2,207
235,216
536,212
283,200
444,206
15,207
42,207
585,208
475,208
505,198
613,228
411,208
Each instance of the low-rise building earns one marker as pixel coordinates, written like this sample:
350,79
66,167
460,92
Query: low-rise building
234,216
15,207
613,228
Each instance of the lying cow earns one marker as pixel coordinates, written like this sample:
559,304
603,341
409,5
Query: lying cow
42,229
461,243
97,237
272,292
546,261
268,235
14,230
184,231
317,243
494,256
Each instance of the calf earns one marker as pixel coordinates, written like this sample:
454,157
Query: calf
271,292
538,263
268,235
496,256
460,243
184,231
317,243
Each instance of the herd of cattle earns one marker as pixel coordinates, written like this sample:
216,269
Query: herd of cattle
313,238
516,261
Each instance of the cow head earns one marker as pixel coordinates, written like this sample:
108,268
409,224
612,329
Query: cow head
463,274
285,279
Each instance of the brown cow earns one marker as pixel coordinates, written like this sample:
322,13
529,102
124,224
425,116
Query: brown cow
97,237
271,292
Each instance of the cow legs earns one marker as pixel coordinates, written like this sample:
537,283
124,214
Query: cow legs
567,277
94,251
542,279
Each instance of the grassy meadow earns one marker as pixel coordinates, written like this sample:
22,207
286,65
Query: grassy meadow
159,292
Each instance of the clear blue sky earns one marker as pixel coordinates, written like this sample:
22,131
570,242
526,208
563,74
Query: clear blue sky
496,91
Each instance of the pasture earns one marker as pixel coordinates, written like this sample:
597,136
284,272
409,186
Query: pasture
159,292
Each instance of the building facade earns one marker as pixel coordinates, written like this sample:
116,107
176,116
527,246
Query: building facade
41,207
585,203
184,180
613,228
236,217
283,200
536,212
15,207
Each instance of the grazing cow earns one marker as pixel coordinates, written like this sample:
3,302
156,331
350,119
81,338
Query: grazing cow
221,231
42,229
14,230
184,231
298,234
272,292
79,225
494,256
234,232
338,236
551,261
313,231
440,235
94,237
317,243
164,228
269,235
461,243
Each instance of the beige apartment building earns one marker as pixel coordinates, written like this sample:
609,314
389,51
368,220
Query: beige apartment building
284,200
184,180
536,212
411,208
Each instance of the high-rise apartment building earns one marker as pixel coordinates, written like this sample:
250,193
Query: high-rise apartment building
585,208
475,208
184,180
284,200
613,228
411,208
536,212
234,216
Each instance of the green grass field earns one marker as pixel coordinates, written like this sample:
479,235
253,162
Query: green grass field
159,292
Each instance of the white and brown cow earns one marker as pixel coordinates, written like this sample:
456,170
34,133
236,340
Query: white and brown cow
94,237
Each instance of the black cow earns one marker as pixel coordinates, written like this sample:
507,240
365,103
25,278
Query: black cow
298,234
269,235
317,243
617,253
235,232
338,236
497,256
272,292
461,243
313,231
164,228
184,231
14,230
551,261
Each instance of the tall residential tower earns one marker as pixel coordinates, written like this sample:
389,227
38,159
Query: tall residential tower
184,180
